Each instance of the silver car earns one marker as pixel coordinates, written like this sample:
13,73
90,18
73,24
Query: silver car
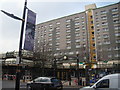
45,83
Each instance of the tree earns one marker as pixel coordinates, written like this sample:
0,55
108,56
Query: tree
43,58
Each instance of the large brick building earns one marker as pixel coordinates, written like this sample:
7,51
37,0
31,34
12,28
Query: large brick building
93,33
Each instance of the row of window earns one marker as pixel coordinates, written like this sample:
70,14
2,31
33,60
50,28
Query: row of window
105,11
106,29
82,17
105,17
66,53
76,24
110,49
104,35
76,18
67,20
78,29
107,42
111,55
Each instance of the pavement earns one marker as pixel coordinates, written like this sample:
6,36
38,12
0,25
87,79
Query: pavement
73,84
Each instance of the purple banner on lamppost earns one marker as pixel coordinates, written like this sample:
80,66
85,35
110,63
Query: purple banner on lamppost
30,31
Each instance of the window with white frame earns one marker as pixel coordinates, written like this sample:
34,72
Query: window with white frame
57,48
50,39
68,30
104,23
117,55
57,43
50,25
117,41
78,46
117,27
98,30
50,30
57,33
83,27
68,20
116,21
77,29
84,34
84,39
68,41
114,9
58,28
105,36
97,19
77,34
103,12
83,22
68,47
77,18
104,17
71,52
97,24
99,43
117,34
42,27
84,45
50,34
57,23
106,42
68,36
115,15
45,26
78,40
77,23
50,44
57,38
68,25
109,49
117,48
38,41
45,31
105,29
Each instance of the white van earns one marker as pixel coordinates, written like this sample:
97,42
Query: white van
109,82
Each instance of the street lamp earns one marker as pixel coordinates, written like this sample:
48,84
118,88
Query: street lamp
78,67
65,58
17,85
55,67
70,74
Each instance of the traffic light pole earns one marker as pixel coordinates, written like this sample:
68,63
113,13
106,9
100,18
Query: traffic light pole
18,76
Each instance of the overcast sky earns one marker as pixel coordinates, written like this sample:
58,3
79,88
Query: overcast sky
10,28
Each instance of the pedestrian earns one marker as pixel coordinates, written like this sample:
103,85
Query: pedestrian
75,81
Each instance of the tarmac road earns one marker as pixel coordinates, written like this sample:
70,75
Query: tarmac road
9,85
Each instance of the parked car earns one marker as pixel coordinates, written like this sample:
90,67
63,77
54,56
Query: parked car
45,83
109,82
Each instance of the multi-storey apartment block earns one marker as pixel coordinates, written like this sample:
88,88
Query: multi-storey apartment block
107,32
94,34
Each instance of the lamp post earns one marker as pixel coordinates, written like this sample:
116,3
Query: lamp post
78,68
55,68
17,85
69,75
